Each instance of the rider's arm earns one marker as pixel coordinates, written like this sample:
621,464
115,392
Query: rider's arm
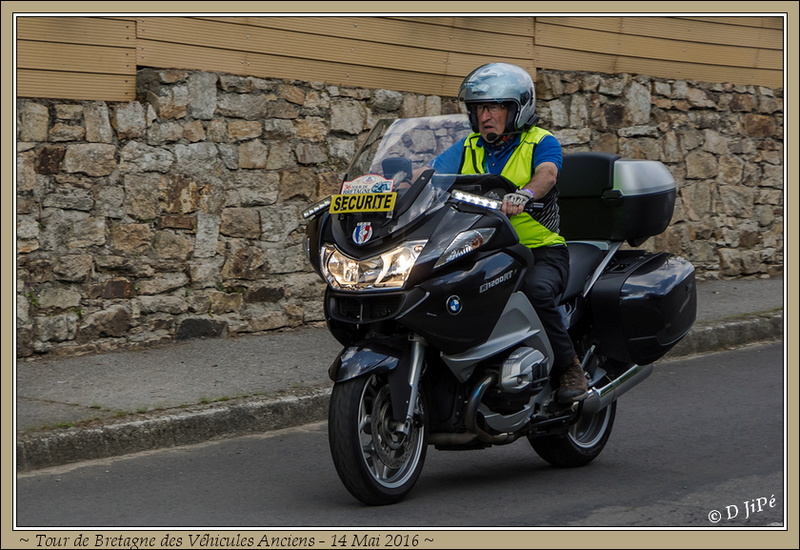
543,180
547,158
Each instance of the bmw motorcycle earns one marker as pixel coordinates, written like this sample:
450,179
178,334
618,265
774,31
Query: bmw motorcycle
439,345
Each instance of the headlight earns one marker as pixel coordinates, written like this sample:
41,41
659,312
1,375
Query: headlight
464,243
382,272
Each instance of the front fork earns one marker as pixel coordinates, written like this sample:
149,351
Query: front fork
417,356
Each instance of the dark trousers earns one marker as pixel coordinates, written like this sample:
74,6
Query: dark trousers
543,284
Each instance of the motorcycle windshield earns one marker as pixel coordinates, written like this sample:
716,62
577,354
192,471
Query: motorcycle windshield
394,157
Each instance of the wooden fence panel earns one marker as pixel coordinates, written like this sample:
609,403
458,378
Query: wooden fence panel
427,33
271,66
78,86
420,54
764,21
599,42
96,31
740,50
367,60
733,33
91,58
497,25
75,58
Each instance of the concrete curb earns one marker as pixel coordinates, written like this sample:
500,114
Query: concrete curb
190,425
730,333
249,416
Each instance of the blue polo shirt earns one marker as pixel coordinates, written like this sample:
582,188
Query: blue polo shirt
496,157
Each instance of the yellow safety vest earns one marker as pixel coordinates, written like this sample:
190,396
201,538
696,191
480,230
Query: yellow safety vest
518,170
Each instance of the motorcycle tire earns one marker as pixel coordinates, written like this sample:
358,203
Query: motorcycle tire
375,463
582,443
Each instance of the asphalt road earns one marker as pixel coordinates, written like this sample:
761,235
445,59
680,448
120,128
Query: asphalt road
698,444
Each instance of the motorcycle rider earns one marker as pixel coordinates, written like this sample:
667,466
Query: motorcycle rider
500,101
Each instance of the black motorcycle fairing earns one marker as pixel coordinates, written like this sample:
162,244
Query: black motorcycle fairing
314,232
346,333
415,206
446,224
485,276
363,309
456,320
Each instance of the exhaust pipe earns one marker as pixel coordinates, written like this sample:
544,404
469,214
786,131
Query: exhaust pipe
600,398
471,415
471,421
597,400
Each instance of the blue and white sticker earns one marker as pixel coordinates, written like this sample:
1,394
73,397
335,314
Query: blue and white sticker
362,233
368,183
454,305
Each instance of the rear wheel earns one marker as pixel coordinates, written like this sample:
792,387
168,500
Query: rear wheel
375,462
582,443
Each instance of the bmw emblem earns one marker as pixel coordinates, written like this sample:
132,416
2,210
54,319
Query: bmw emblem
454,305
362,233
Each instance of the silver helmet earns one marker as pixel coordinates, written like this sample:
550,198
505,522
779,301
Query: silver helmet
501,83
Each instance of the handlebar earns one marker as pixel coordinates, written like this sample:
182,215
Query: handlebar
491,187
491,202
533,206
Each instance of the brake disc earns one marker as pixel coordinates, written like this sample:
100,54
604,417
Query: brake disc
392,447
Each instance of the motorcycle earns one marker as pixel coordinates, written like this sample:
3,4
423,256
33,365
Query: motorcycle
439,345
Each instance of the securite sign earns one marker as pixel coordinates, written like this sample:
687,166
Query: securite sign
363,202
367,193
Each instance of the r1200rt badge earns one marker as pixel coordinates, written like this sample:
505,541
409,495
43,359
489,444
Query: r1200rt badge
362,233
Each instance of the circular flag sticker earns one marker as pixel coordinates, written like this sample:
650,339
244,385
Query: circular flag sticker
362,233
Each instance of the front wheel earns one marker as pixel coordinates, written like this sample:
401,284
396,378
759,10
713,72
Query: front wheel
582,443
375,462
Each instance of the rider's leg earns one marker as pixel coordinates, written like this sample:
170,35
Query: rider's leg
544,283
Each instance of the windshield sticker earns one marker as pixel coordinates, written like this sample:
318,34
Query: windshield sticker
368,183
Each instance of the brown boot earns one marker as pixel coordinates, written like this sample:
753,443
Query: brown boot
572,384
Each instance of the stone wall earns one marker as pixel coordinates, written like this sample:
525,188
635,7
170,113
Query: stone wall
177,215
722,143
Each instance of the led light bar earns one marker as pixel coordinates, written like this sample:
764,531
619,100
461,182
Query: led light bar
315,209
477,200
